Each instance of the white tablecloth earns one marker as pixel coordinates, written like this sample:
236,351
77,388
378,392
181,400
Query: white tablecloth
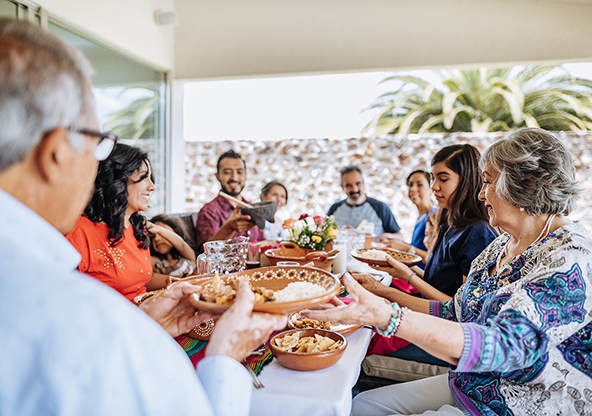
312,393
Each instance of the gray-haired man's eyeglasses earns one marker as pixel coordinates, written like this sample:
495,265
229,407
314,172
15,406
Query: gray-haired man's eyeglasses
104,146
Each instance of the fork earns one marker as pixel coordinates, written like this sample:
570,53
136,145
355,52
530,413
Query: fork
256,382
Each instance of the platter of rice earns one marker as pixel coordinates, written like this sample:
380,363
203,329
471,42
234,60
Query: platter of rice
283,289
378,257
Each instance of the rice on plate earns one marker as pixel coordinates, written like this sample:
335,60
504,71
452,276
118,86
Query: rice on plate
375,254
298,291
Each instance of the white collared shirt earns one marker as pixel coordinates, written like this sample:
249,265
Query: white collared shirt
70,345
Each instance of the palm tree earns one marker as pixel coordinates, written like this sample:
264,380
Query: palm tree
136,121
483,100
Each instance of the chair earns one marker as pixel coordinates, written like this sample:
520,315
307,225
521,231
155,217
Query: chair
189,219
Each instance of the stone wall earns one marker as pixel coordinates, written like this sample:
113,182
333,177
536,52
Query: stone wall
310,169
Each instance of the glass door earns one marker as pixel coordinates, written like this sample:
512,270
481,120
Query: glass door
131,102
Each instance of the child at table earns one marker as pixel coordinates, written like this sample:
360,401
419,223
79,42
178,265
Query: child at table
170,254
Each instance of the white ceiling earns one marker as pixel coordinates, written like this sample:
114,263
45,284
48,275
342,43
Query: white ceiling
218,39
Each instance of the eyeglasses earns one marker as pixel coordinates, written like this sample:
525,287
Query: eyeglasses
105,145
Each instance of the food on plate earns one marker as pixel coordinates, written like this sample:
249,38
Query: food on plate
224,293
305,323
298,291
307,345
382,255
374,254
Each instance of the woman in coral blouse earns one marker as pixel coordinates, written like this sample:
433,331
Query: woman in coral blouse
111,236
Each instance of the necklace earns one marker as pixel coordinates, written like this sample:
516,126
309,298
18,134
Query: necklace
503,252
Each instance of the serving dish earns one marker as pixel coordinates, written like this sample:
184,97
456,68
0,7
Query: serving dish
261,212
343,329
308,361
407,259
276,278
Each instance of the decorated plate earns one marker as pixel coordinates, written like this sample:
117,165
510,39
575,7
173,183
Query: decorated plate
343,329
363,255
276,279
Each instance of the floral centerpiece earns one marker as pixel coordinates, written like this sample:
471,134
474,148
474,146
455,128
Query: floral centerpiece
312,232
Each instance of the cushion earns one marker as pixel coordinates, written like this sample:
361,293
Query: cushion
399,370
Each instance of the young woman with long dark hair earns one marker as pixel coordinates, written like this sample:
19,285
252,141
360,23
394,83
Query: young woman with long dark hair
111,236
464,232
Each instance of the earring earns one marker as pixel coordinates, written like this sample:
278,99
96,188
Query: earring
521,209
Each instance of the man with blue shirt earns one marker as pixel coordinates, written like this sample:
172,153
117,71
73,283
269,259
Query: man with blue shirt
70,345
358,206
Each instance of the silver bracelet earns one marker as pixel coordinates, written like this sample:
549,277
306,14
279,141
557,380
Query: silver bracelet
410,276
395,321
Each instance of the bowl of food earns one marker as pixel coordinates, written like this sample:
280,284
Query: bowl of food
308,349
378,257
261,212
283,290
297,321
291,252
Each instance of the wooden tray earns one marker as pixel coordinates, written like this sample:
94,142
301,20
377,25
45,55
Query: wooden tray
407,259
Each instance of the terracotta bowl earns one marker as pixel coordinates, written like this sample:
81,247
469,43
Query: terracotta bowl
276,278
291,252
261,212
308,362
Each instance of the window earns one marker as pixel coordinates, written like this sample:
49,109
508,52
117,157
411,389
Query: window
8,9
131,102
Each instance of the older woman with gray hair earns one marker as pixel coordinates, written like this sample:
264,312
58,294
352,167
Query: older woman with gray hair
518,333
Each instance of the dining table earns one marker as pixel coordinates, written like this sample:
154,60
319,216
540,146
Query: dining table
323,392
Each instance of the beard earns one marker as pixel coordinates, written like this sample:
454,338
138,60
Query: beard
230,192
355,198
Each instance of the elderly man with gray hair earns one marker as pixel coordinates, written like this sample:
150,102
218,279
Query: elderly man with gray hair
70,345
519,331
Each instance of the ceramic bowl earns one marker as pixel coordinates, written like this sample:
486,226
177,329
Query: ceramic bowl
261,212
277,278
291,252
308,362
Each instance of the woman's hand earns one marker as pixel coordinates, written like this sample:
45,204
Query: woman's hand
367,309
369,283
396,269
398,245
240,330
172,310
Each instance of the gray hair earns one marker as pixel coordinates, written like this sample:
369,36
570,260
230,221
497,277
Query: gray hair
536,171
44,85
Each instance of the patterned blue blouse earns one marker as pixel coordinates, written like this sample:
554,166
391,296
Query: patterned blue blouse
527,328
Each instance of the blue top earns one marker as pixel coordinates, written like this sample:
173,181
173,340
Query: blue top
453,253
70,345
372,210
419,234
419,230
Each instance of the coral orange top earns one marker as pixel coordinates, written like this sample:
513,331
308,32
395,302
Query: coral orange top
125,267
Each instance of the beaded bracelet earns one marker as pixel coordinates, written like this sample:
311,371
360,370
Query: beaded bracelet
395,321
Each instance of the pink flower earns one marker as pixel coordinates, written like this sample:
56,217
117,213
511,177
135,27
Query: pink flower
303,216
319,220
